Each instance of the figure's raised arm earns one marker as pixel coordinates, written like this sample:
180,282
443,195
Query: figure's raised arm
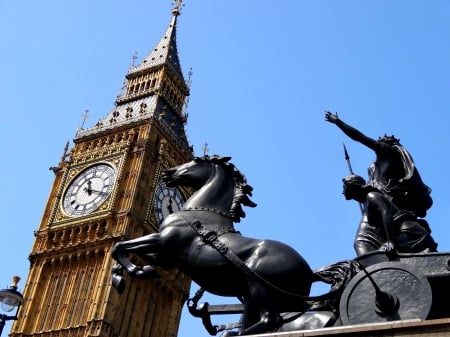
350,131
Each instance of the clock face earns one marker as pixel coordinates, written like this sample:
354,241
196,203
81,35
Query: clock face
168,200
89,190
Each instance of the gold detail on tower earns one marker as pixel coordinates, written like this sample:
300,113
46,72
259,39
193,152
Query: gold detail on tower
68,291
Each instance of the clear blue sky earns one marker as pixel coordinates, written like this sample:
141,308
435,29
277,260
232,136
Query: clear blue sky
264,72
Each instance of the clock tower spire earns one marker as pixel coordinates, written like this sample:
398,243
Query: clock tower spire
108,188
155,89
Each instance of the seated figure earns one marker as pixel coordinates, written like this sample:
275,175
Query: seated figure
384,226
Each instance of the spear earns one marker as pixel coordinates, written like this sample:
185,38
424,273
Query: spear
349,164
347,159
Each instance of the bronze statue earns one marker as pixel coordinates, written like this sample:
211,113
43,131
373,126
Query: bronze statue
387,227
393,172
269,277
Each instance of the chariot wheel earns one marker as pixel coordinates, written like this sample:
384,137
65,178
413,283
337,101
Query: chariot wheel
386,291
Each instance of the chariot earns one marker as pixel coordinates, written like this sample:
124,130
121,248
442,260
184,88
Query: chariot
388,287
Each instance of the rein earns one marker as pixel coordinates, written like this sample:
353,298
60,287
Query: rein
211,238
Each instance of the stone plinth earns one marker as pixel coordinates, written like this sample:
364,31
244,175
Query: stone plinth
411,328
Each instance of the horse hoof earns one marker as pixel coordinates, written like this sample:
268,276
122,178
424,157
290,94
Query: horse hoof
118,283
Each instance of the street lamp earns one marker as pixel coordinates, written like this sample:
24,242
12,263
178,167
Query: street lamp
10,298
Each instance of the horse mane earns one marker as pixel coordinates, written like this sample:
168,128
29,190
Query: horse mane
242,190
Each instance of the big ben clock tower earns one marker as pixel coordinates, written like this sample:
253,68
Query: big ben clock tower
107,188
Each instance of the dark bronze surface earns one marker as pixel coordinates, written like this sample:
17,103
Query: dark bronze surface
400,276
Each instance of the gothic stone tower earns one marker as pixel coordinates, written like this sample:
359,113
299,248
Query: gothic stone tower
106,189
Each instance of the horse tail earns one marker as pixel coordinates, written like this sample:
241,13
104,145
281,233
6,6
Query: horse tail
338,275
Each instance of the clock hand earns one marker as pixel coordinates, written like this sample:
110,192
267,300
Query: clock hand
169,206
88,189
100,192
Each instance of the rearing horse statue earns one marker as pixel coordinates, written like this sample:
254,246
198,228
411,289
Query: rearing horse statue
267,276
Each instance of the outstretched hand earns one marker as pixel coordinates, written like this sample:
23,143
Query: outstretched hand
331,117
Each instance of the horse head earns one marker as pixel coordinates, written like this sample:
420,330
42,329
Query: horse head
218,182
192,174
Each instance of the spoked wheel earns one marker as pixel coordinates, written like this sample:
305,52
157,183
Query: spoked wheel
386,291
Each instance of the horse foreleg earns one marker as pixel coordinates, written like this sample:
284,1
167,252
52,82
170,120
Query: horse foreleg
149,244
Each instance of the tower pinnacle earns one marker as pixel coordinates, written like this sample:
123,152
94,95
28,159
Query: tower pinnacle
177,7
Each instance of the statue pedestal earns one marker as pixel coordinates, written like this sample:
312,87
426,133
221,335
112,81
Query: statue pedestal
411,328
